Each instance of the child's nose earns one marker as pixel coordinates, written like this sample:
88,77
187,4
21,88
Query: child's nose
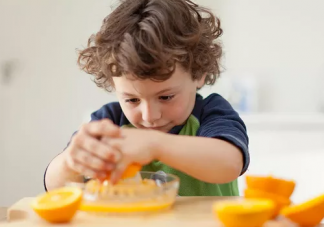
151,113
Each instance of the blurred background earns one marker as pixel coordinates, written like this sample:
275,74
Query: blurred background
273,76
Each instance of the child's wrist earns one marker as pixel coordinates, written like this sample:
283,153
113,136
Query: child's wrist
160,141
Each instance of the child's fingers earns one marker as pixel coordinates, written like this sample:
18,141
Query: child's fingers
105,140
93,162
101,128
118,172
88,171
97,148
81,169
115,143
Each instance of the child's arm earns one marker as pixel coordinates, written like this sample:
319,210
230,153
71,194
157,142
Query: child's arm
208,159
58,173
217,153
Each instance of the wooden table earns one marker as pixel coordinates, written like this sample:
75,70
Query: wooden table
3,214
187,211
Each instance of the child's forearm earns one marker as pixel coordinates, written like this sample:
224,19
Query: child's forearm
207,159
58,174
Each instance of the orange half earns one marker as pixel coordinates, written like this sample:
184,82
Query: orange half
309,213
271,184
130,171
244,213
280,201
59,205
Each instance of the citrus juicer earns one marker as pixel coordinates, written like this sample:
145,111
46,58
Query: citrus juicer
146,191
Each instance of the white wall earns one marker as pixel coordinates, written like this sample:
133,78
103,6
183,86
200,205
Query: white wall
278,42
48,96
288,146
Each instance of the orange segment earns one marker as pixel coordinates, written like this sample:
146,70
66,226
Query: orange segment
271,184
244,213
59,205
309,213
279,201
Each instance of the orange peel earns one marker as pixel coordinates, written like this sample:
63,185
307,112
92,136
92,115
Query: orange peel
309,213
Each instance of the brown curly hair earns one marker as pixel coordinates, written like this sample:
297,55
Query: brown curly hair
146,38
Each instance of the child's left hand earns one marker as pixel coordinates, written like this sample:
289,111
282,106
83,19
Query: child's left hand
136,146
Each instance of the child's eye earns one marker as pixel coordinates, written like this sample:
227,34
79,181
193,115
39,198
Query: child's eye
166,97
134,100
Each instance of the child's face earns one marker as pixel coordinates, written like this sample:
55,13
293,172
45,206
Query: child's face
157,105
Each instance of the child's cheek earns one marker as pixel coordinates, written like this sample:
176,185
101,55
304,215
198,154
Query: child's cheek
178,112
132,114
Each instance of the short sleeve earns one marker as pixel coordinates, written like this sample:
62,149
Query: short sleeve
219,120
111,111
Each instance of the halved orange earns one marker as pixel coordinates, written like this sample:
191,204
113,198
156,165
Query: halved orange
280,201
271,184
59,205
244,213
95,185
130,171
309,213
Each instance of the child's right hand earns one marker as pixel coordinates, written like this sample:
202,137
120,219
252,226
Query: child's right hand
88,155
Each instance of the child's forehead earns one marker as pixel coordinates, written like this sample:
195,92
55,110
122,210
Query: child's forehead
129,84
125,85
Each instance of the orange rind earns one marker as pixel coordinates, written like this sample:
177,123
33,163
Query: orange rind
244,213
59,205
309,213
271,184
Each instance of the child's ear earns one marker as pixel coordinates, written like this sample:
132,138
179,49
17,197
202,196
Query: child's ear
201,82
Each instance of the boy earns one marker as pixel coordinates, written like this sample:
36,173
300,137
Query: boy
156,54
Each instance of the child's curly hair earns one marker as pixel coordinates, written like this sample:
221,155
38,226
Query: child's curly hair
147,37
